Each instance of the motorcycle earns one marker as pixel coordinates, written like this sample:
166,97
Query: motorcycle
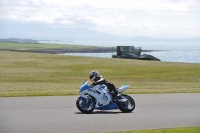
100,97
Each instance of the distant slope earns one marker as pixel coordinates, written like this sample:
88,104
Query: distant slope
152,39
44,32
17,40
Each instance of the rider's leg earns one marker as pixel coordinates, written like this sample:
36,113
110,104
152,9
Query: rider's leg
112,87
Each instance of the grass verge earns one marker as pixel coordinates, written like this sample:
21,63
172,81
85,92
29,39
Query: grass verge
46,48
166,130
34,74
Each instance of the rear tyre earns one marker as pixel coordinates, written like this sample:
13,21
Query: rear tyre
84,105
128,106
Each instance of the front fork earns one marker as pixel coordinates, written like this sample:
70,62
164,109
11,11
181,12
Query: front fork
87,97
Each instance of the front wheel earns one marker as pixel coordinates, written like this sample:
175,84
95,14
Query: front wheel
128,106
85,105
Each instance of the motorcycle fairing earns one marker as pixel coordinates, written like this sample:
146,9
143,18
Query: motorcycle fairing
85,87
123,88
108,107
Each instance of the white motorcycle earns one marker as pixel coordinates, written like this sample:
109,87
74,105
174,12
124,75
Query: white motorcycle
99,97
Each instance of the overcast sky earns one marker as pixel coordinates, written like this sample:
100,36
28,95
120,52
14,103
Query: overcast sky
154,18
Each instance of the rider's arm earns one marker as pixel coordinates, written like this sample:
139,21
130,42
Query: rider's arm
100,81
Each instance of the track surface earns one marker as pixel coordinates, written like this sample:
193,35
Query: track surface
60,115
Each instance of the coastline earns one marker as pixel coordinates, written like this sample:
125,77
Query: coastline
63,51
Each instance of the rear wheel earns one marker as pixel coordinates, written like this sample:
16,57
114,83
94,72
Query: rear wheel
85,105
128,106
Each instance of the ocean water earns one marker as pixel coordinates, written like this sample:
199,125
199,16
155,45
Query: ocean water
170,52
167,56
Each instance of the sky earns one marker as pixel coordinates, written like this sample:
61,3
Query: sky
153,18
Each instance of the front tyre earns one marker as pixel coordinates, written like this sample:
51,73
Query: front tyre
85,105
128,106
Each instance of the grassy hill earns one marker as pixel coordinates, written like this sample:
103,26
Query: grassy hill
51,48
34,74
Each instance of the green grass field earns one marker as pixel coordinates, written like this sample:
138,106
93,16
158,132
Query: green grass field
34,74
38,46
167,130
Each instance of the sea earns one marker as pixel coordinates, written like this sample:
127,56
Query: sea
188,52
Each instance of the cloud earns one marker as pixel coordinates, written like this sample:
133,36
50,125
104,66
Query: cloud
80,22
162,18
66,22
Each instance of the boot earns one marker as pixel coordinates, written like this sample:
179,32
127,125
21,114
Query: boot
116,96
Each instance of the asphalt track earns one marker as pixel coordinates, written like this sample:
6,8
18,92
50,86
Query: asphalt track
60,115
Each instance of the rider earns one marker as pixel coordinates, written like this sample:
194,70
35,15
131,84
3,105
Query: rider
98,79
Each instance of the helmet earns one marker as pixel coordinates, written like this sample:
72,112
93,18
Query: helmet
93,75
